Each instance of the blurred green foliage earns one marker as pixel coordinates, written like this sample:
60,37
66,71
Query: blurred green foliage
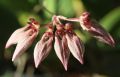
100,59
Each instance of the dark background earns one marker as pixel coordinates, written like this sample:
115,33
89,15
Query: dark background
100,59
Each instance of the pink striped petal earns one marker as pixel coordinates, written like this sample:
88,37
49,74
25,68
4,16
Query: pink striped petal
16,34
24,43
76,47
42,49
94,28
66,52
62,50
103,36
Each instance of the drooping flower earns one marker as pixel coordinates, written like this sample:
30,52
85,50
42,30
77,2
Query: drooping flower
43,47
67,41
62,34
60,45
94,28
23,37
75,45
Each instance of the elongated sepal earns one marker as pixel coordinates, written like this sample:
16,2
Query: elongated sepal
24,43
62,50
66,51
76,47
95,29
15,36
23,37
42,49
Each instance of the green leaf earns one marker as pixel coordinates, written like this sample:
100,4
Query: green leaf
82,36
65,8
16,5
49,7
23,17
111,19
78,7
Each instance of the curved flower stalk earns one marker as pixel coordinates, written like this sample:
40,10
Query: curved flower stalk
43,47
75,45
23,37
94,28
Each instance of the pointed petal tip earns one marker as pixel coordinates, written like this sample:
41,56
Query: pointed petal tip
36,65
65,64
6,46
65,67
112,44
81,61
13,58
111,41
108,40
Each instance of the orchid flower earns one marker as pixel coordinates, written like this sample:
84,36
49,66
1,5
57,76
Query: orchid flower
94,28
75,45
61,34
66,41
43,47
60,46
23,37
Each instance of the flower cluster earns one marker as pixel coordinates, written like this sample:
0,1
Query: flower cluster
61,34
